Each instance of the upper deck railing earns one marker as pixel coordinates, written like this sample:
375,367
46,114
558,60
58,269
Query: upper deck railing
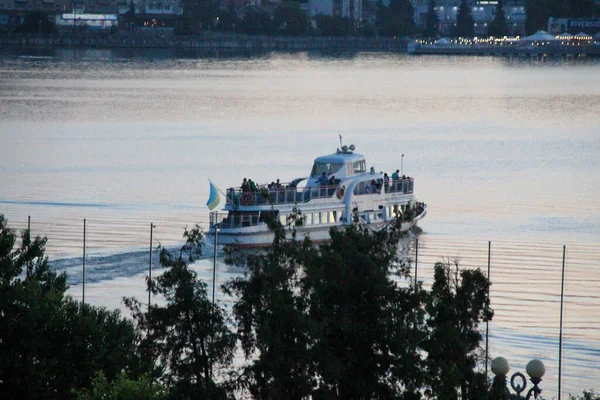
291,194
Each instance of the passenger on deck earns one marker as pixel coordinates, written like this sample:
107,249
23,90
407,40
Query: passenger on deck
245,186
278,185
252,185
386,182
396,175
323,182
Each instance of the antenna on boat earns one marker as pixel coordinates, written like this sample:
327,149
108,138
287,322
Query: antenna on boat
341,145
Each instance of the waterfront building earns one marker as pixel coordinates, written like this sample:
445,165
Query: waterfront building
484,12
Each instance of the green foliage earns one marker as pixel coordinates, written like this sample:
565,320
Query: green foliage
368,329
396,19
188,336
310,326
328,25
498,27
587,395
273,326
196,15
122,388
37,22
50,344
457,303
464,21
290,19
431,21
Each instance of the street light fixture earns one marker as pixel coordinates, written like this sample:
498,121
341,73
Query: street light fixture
500,367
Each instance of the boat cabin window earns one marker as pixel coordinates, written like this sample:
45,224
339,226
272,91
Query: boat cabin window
359,166
329,168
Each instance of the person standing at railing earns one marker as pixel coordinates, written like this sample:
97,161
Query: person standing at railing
252,185
323,182
245,186
386,182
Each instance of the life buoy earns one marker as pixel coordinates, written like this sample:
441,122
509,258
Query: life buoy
246,199
340,192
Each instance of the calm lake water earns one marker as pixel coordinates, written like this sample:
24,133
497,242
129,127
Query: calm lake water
503,150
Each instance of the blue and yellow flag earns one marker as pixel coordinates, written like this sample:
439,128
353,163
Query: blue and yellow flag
213,199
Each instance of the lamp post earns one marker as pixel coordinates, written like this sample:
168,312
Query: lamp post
500,367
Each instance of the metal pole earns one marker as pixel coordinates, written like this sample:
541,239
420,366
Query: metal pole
83,296
487,323
215,265
402,165
29,224
416,258
562,293
150,268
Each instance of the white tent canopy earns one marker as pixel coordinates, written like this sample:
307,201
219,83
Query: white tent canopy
540,36
442,41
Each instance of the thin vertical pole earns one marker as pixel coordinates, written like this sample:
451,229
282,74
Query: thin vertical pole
29,235
215,265
402,165
83,295
487,323
562,293
150,269
416,259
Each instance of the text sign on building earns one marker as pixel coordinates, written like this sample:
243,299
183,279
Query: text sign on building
91,17
581,24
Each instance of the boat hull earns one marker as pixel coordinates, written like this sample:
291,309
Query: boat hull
261,236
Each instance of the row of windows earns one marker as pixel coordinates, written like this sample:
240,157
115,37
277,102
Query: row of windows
331,217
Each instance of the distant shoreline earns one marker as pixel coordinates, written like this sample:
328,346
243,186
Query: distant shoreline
205,42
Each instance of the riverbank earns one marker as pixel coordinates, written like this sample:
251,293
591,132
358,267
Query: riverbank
205,42
553,50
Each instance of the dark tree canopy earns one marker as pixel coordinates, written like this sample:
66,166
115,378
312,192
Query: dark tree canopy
397,19
37,22
457,303
431,21
498,27
188,336
290,19
464,21
49,343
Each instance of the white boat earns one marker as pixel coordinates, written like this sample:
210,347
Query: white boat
351,192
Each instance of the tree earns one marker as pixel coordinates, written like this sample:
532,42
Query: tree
328,25
498,27
330,322
273,326
397,19
188,335
464,21
457,303
291,19
37,22
38,323
196,15
369,330
122,388
130,15
431,21
581,8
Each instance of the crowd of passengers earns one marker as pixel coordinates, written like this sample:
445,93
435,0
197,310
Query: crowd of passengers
328,184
